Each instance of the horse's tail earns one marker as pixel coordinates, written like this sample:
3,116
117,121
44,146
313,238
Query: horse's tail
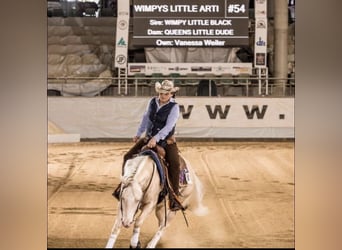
198,208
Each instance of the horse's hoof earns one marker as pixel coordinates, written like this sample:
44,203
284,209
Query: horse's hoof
138,245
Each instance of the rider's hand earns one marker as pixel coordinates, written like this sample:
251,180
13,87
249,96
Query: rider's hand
152,143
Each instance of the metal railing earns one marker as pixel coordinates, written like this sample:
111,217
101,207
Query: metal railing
217,86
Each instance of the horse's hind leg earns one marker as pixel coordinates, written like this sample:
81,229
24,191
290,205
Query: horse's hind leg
164,221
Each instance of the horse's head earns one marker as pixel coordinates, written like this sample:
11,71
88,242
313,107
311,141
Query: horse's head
137,178
131,196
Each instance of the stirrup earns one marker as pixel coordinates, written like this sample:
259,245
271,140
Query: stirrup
175,204
162,194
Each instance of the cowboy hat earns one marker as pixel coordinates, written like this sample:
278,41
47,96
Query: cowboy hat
165,86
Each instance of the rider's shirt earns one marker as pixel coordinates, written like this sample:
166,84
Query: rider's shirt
159,120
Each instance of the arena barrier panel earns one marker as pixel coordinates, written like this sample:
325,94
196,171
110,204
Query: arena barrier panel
200,117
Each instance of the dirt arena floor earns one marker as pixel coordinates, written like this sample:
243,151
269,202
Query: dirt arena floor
249,190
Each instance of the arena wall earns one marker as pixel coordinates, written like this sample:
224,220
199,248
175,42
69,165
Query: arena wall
201,117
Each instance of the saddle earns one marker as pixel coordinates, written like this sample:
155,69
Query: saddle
175,203
184,178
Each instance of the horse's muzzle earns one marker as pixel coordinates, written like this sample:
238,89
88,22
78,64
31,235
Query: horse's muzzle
127,224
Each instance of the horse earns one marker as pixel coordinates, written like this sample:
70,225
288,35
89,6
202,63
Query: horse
141,186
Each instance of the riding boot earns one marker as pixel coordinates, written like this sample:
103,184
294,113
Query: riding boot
175,203
134,150
116,192
172,158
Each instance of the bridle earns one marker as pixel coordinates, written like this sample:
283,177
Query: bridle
148,185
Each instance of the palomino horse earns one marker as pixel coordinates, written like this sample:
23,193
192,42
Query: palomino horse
140,188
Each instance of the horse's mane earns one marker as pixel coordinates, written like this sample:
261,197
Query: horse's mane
128,179
130,169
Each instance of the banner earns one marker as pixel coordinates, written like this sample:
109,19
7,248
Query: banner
260,43
122,26
184,69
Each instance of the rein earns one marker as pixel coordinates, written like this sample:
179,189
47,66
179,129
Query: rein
139,203
148,185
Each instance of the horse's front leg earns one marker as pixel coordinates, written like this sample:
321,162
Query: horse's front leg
135,243
115,231
146,210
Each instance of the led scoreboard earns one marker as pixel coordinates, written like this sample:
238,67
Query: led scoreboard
190,23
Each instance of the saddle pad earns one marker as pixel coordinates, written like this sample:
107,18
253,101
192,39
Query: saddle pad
155,157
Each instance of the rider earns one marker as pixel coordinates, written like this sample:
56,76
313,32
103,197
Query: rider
159,122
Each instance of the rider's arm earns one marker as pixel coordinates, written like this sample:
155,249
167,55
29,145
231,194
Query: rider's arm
145,121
